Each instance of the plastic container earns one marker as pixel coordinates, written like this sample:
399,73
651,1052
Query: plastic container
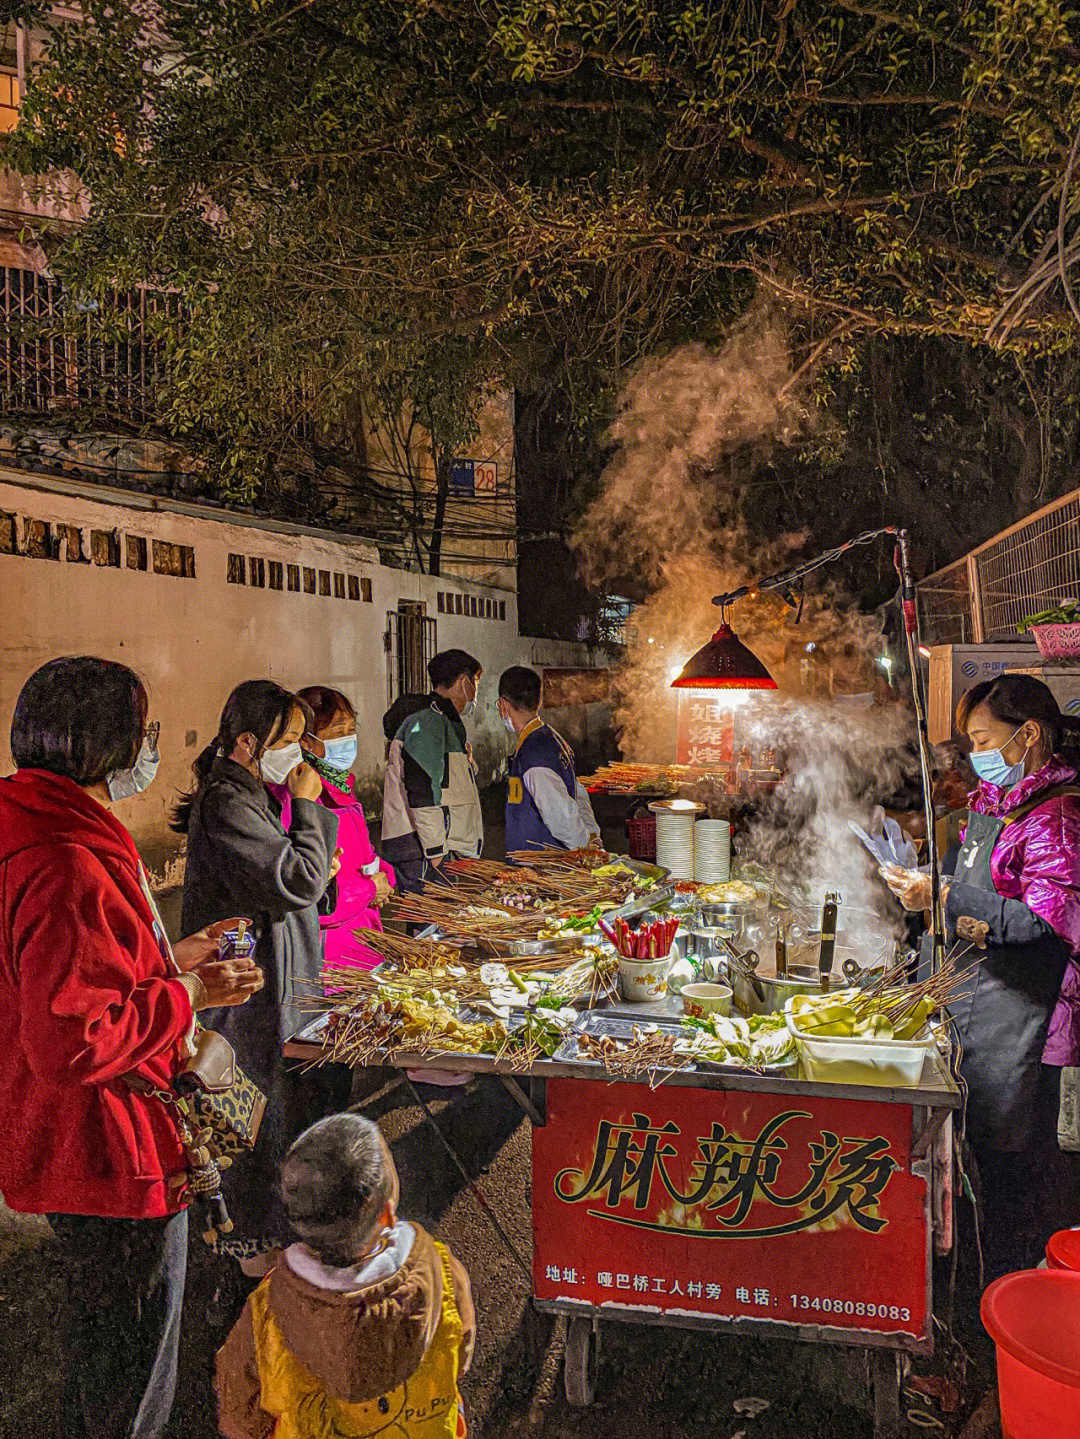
1058,642
1063,1250
1033,1318
886,1062
641,834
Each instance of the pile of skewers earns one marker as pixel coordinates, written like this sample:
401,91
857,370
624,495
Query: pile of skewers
888,1009
651,941
646,1054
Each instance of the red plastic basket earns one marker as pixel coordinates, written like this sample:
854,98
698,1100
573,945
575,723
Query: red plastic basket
1058,642
641,831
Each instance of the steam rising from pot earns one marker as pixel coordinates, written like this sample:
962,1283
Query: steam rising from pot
693,430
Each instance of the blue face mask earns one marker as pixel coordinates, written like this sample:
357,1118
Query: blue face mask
340,753
992,766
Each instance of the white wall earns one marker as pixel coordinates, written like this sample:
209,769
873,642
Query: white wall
192,640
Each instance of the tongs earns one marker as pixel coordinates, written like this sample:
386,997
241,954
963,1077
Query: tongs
744,965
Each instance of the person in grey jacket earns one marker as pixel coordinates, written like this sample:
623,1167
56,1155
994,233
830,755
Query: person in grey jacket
241,860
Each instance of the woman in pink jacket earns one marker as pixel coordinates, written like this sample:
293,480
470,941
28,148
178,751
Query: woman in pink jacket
363,882
1012,909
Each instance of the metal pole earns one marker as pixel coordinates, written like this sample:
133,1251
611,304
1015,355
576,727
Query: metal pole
911,632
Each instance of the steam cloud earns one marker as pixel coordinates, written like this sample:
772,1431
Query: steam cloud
691,428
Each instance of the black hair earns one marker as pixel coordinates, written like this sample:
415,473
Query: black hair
1015,699
521,686
447,667
262,708
326,705
80,717
336,1180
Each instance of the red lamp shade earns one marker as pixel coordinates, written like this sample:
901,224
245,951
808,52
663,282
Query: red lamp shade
724,664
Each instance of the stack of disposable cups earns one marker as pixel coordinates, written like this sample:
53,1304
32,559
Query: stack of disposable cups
675,841
712,851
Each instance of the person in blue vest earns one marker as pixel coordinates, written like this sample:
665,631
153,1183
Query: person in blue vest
545,806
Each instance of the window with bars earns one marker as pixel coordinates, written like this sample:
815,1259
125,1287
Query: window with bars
54,356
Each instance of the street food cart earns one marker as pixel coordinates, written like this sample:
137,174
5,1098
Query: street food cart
737,1201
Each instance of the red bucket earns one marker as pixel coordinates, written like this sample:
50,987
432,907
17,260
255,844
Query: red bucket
1063,1250
1033,1318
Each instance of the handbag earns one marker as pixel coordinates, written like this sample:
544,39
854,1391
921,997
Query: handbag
218,1112
217,1107
224,1106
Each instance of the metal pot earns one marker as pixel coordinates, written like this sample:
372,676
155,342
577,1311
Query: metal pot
705,943
774,991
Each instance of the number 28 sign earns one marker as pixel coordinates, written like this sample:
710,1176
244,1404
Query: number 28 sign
735,1205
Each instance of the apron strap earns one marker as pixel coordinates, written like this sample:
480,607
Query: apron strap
1057,791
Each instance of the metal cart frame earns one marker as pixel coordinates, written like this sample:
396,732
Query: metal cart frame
931,1104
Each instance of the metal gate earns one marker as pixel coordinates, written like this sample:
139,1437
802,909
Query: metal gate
410,641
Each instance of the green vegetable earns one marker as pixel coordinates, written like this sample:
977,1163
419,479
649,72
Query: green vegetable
517,981
1066,613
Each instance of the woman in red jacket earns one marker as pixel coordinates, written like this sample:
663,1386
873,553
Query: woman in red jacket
90,995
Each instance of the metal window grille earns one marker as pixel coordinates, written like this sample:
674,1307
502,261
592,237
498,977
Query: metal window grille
410,642
106,354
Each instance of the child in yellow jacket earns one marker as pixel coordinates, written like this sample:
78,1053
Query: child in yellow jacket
366,1326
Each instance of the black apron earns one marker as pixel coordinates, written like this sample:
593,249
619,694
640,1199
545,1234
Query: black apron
1003,1016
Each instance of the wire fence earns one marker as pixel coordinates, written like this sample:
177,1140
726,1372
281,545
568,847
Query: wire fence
1032,566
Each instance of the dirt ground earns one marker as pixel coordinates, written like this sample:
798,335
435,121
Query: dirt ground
652,1382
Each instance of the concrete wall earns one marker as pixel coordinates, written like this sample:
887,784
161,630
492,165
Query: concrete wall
194,638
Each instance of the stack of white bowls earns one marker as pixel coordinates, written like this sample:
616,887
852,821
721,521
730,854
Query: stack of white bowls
675,841
712,851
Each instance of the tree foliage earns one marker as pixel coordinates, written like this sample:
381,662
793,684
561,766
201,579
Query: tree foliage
349,191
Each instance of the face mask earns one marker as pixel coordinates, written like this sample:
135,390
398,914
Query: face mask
992,766
276,765
509,723
470,707
123,783
340,753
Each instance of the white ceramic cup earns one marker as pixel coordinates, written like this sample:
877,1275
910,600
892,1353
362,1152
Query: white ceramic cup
702,999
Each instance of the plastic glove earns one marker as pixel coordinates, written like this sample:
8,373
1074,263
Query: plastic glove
911,887
886,841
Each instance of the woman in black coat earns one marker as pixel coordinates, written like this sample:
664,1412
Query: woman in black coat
241,860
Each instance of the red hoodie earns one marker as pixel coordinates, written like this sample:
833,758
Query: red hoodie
86,997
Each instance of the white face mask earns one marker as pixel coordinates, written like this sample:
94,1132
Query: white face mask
124,783
470,705
509,723
276,765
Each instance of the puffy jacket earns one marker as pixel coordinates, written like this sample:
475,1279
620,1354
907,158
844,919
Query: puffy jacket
431,804
86,997
1037,861
359,1341
352,894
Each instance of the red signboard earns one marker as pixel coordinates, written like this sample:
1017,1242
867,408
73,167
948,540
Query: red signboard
706,730
731,1205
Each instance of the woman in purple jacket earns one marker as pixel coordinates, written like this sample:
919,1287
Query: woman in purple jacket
1013,903
363,882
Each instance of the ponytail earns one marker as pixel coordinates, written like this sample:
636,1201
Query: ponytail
261,708
200,771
